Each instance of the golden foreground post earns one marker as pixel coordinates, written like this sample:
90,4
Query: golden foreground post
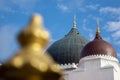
30,63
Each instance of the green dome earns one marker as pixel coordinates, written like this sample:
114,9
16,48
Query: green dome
68,49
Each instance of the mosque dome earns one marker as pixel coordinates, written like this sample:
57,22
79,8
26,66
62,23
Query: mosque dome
98,47
67,50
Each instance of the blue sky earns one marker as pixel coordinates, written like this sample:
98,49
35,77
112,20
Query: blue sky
58,20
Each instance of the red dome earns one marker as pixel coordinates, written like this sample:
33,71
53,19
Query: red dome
98,47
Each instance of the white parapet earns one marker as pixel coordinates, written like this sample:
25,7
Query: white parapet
68,66
95,67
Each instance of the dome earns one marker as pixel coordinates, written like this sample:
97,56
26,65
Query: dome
98,47
67,50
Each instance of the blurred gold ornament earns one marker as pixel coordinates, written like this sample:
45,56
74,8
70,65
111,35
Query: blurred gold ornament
30,63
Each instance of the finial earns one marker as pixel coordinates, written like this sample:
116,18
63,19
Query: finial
29,63
98,31
74,23
98,27
35,32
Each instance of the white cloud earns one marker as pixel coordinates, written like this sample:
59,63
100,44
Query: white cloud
24,4
113,26
17,6
112,11
64,8
91,36
92,7
6,6
69,5
118,42
88,30
75,5
108,39
116,34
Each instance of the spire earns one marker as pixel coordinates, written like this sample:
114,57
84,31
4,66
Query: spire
98,27
98,31
74,23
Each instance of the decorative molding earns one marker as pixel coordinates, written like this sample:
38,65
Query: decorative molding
68,66
107,57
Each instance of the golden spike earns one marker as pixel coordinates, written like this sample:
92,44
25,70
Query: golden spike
98,31
74,23
29,63
98,27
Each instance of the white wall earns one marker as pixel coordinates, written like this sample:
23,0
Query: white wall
93,75
95,68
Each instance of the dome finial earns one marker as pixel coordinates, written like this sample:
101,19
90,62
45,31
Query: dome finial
98,31
74,23
98,27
